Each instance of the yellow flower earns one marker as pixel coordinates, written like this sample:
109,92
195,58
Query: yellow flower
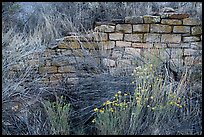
111,109
119,92
153,108
94,120
116,95
96,109
180,106
133,82
125,94
148,106
108,102
151,97
101,110
171,103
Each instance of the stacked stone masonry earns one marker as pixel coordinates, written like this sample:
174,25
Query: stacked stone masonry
116,44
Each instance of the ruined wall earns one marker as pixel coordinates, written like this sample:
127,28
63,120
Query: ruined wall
119,43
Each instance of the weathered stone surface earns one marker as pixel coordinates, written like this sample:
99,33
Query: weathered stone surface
171,38
90,45
131,52
74,45
54,77
181,29
67,52
51,69
116,54
160,45
151,19
160,28
178,16
116,36
192,61
123,44
134,37
190,52
100,36
109,62
197,30
105,28
66,69
191,39
125,28
171,22
174,53
107,44
174,15
105,53
142,45
141,28
118,20
191,21
150,52
196,45
60,61
123,63
179,45
77,38
152,37
33,62
134,19
63,46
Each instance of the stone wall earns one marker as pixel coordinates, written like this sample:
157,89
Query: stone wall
117,44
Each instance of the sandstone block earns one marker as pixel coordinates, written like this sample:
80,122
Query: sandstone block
133,37
171,38
151,19
51,69
66,69
124,28
109,62
171,22
61,61
181,29
116,36
107,44
134,19
141,28
123,44
191,21
197,30
105,28
142,45
152,37
174,15
191,39
160,28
